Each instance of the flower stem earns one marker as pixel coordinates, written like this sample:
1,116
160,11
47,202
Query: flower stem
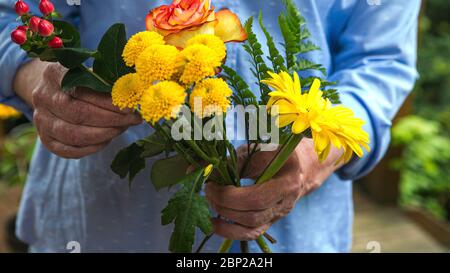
263,245
226,246
244,247
270,238
202,154
282,156
203,243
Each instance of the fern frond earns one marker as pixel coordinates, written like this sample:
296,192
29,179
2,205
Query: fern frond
274,55
254,49
304,64
290,41
242,95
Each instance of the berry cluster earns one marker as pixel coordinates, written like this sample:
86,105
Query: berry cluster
36,31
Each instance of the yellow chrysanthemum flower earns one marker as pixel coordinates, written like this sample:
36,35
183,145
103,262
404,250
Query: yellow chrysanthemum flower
330,125
210,96
138,43
127,91
7,112
162,100
157,63
198,62
211,41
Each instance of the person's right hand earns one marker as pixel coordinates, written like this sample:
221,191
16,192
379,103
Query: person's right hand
77,124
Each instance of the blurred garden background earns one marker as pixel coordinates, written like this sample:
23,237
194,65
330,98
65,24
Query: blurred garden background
402,206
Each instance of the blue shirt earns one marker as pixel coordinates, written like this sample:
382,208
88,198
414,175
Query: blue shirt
369,48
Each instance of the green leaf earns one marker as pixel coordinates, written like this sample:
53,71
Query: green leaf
82,77
188,210
68,33
242,94
109,63
254,49
275,56
68,57
304,64
129,162
168,172
153,145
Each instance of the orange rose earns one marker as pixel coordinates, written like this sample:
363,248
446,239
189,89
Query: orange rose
184,19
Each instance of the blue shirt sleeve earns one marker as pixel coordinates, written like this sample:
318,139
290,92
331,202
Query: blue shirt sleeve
375,64
12,56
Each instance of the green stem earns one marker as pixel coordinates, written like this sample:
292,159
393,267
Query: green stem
177,146
201,154
244,247
263,245
226,246
282,156
203,243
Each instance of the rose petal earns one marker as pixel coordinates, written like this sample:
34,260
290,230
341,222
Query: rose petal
180,39
229,27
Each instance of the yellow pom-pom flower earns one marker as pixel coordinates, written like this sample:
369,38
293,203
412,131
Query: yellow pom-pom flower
330,125
138,43
211,41
7,112
210,96
198,62
157,63
162,100
127,91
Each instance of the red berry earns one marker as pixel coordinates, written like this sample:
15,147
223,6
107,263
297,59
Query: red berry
46,7
34,23
56,42
24,28
21,7
45,28
19,36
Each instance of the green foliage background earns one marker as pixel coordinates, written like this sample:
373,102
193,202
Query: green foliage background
425,135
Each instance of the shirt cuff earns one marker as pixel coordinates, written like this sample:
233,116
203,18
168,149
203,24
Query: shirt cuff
358,167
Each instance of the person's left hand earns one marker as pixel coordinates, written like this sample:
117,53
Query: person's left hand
255,208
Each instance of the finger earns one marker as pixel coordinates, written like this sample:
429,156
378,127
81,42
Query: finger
67,151
99,99
80,112
257,197
74,135
237,232
251,218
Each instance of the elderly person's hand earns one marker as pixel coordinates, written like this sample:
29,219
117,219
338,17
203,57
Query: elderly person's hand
77,124
255,208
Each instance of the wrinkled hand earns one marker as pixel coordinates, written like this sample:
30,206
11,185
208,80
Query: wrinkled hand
255,208
77,124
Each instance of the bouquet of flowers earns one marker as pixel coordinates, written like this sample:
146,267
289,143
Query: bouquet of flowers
174,75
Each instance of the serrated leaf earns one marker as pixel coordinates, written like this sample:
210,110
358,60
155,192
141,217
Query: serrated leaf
109,63
187,210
